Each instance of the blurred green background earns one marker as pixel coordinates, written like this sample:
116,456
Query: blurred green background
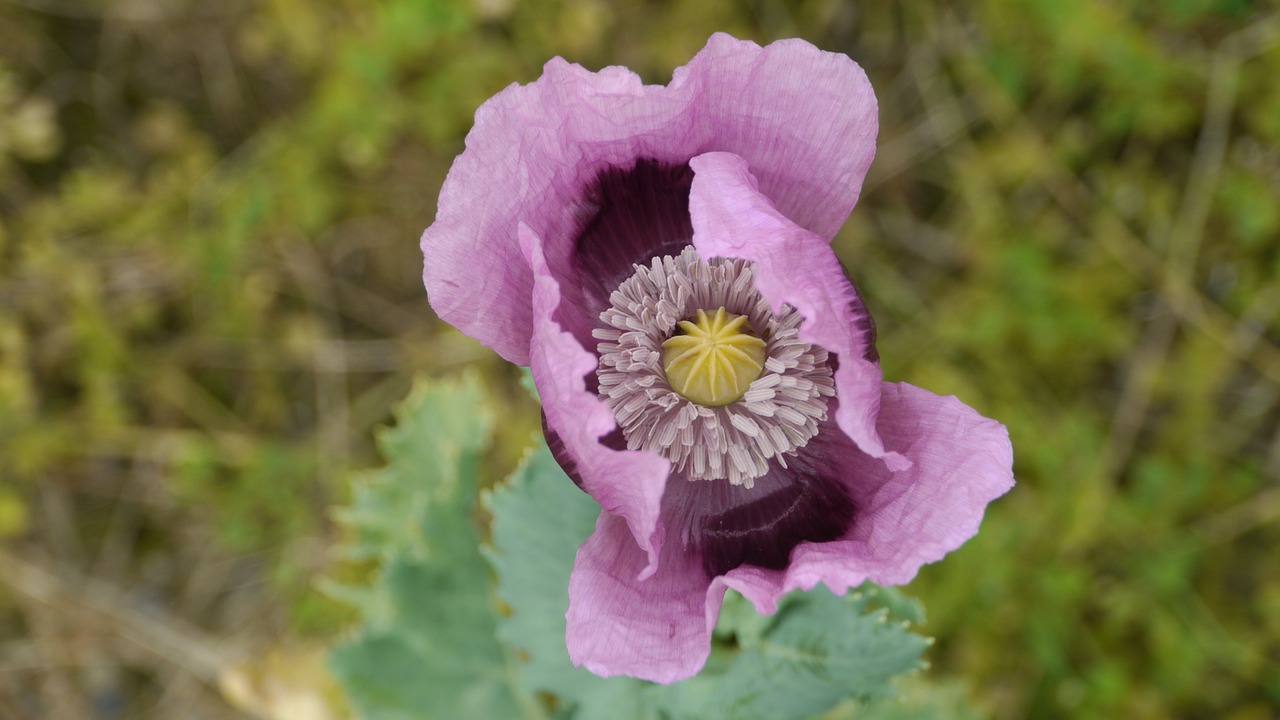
210,295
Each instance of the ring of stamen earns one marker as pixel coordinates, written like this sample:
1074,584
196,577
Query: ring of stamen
778,412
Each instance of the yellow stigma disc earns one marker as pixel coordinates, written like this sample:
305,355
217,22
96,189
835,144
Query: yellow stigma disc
714,360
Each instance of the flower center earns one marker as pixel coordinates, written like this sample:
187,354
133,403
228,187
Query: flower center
714,361
732,392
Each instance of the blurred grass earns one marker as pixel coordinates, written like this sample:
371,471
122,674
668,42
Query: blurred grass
209,296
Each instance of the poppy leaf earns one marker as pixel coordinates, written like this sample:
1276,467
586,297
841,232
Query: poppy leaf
539,519
427,647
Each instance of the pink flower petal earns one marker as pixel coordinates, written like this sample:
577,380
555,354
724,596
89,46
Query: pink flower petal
658,628
536,148
626,483
960,462
805,119
732,218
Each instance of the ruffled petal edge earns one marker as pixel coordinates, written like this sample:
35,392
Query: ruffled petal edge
961,461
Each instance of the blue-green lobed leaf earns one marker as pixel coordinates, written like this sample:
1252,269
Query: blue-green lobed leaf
539,519
427,648
817,650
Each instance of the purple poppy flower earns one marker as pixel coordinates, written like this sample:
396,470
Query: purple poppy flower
752,445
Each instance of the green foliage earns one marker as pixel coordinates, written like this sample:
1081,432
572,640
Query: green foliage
539,519
427,648
817,650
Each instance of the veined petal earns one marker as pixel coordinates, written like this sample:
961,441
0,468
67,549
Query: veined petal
628,484
960,462
809,143
536,150
658,628
732,218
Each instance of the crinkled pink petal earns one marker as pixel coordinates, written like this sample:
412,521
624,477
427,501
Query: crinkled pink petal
626,483
658,628
960,462
804,118
732,218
